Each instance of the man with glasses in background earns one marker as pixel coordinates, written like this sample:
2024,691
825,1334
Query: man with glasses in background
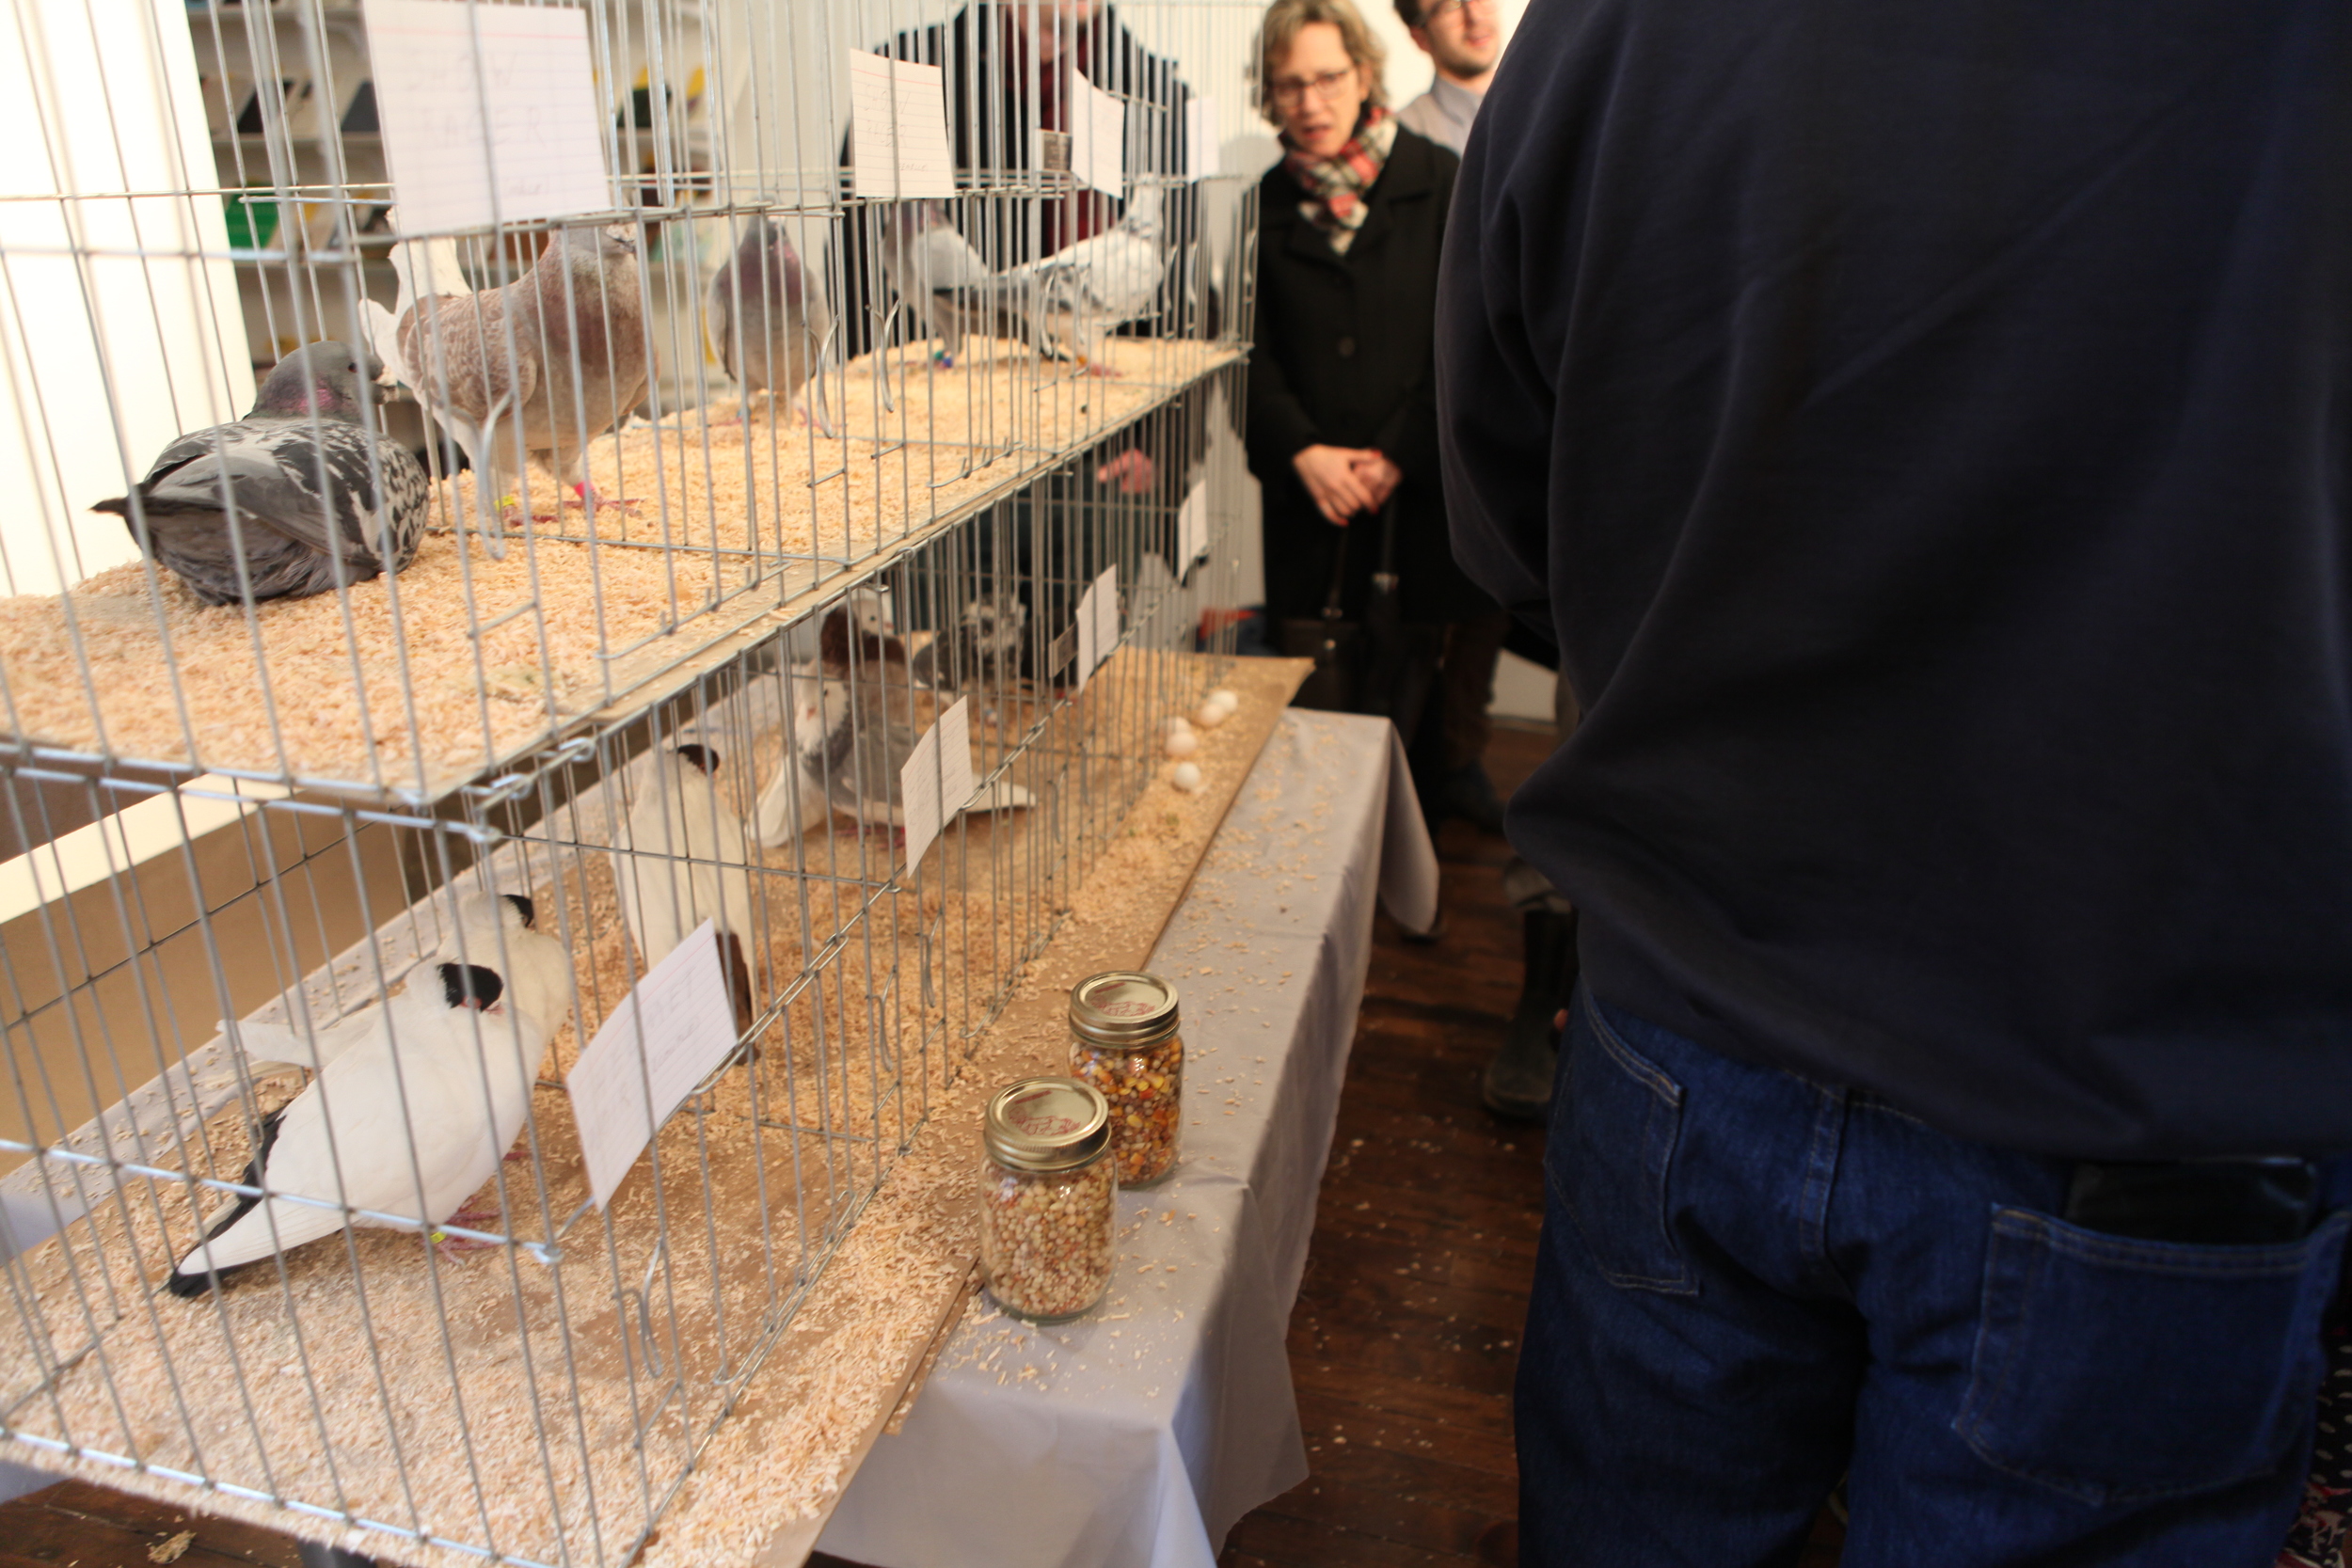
1462,39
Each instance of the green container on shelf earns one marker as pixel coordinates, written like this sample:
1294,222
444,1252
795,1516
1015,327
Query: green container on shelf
251,223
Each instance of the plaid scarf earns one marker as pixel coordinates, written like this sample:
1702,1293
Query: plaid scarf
1335,187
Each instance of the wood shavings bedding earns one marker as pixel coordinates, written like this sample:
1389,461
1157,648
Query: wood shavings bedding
516,1398
409,698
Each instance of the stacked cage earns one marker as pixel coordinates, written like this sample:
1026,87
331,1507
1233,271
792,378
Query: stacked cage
422,632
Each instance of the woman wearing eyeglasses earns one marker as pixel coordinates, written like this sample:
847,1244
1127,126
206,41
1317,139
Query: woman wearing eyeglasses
1342,398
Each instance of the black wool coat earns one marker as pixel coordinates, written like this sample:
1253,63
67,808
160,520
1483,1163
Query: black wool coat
1345,356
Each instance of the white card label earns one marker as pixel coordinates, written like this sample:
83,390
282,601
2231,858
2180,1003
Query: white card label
489,113
1200,146
1192,527
1088,657
898,147
688,1029
935,781
1098,137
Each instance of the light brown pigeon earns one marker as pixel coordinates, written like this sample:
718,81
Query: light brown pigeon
551,361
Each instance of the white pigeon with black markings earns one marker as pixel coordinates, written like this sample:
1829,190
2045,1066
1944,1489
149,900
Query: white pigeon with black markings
405,1123
501,930
684,857
299,494
537,967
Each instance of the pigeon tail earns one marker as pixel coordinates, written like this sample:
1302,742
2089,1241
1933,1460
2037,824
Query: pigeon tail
188,1284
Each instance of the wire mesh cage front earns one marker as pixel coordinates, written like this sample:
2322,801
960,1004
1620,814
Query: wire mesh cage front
509,1369
339,858
599,441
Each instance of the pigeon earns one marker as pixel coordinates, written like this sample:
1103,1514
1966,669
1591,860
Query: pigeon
1087,291
574,367
682,858
501,930
948,287
777,341
985,645
856,717
542,985
291,500
399,1123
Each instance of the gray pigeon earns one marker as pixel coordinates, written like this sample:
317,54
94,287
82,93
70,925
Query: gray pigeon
856,719
574,367
316,497
949,288
776,342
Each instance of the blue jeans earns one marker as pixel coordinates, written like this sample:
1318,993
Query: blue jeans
1750,1285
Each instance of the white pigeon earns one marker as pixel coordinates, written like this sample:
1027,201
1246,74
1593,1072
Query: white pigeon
684,858
541,984
1083,293
400,1117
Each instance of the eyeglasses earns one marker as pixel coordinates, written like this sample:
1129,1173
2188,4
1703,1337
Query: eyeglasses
1327,86
1442,8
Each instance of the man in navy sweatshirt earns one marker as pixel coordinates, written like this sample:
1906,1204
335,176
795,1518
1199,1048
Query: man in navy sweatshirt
1927,432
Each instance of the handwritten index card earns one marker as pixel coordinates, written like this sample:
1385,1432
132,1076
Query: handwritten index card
490,112
688,1029
935,783
1192,527
1098,137
1105,613
898,147
1201,157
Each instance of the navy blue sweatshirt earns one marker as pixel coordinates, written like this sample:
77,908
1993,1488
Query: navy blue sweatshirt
1927,431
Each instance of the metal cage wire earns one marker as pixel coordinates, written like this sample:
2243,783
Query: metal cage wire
263,825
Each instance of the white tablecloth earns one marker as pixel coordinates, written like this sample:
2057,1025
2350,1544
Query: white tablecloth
1140,1433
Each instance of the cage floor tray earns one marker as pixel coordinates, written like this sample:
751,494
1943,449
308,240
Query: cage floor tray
425,682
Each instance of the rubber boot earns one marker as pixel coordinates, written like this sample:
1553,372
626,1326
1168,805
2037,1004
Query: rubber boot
1517,1079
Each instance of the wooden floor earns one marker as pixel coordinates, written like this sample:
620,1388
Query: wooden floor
1407,1331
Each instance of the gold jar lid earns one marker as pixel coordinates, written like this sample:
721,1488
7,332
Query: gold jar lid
1046,1124
1125,1007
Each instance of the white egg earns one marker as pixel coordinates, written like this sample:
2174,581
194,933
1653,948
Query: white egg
1180,725
1209,717
1183,743
1186,777
1226,698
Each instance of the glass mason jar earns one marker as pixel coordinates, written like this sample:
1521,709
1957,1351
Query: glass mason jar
1124,1041
1046,1199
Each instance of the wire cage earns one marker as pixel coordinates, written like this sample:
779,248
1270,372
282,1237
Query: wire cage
829,613
638,428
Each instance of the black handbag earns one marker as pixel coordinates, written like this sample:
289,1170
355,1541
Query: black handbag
1383,664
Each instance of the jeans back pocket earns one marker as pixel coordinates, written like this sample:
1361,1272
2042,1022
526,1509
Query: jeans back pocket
2112,1369
1608,1163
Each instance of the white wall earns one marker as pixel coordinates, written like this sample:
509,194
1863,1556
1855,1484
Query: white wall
118,314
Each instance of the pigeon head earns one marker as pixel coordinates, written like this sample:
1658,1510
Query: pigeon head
702,759
524,907
321,379
471,986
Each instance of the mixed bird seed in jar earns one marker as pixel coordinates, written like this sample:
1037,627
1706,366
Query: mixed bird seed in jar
1047,1198
1123,1040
